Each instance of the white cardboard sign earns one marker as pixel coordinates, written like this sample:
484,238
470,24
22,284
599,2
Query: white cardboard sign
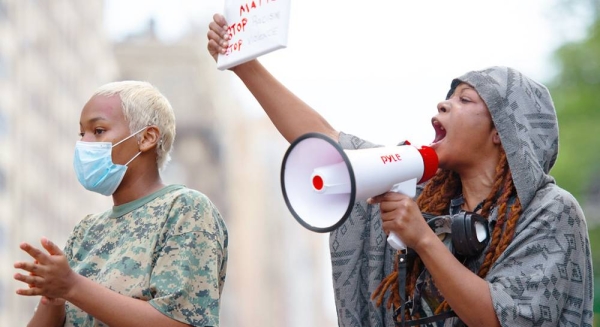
255,28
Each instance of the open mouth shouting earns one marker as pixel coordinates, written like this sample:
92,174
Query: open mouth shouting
440,131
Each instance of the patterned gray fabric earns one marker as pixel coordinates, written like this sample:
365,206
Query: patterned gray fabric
544,278
524,116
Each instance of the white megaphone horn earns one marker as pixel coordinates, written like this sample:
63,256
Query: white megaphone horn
321,181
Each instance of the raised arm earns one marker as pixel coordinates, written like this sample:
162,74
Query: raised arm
290,115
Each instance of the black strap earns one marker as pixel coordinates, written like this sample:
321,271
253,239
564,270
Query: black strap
408,305
401,288
430,319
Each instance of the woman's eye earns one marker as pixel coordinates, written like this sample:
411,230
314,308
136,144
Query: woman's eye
465,99
98,131
81,134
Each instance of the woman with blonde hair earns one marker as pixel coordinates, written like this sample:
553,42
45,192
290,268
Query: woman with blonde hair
158,257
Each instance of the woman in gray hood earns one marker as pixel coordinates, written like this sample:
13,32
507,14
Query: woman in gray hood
496,141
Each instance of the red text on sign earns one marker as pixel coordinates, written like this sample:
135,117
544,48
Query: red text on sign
245,8
235,28
236,46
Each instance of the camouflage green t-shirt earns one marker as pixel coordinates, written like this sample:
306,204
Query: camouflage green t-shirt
168,248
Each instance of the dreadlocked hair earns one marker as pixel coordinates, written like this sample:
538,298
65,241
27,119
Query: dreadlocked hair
435,199
504,230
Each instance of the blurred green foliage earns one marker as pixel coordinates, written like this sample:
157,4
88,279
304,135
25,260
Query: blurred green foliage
576,94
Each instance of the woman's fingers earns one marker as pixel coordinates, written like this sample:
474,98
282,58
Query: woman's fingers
35,253
388,196
400,205
216,44
213,36
33,291
33,282
32,267
219,30
219,19
217,36
52,248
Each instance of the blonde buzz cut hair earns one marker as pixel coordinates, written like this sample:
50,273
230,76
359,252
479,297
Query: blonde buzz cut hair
143,105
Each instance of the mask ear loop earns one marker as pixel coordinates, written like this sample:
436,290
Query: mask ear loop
133,158
128,137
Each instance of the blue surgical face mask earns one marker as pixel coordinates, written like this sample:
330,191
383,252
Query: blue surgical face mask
94,166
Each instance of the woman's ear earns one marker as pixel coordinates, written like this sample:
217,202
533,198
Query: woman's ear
150,138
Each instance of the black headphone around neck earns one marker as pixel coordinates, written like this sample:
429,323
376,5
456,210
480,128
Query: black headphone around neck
469,231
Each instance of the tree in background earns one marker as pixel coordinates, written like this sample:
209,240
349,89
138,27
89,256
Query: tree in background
576,93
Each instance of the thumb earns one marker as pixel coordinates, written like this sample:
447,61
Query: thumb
52,301
51,247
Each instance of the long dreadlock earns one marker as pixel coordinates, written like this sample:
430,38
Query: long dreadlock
435,199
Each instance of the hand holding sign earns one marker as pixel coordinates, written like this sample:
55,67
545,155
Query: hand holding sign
254,28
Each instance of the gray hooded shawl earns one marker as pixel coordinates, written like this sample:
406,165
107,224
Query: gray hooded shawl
544,277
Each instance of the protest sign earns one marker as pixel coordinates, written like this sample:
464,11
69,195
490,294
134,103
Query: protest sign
255,28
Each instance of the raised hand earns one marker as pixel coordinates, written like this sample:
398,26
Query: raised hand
49,273
47,300
217,36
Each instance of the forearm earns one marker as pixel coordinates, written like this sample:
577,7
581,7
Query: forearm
114,309
290,115
467,294
48,316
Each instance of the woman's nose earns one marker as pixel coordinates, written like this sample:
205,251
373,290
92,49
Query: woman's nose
443,106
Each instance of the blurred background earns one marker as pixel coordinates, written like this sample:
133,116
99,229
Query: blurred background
387,63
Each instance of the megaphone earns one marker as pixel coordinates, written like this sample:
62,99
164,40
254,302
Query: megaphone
321,181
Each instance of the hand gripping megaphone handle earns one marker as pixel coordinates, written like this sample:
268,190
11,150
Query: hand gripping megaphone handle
407,188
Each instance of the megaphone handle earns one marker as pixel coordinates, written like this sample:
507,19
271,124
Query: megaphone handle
395,242
407,188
